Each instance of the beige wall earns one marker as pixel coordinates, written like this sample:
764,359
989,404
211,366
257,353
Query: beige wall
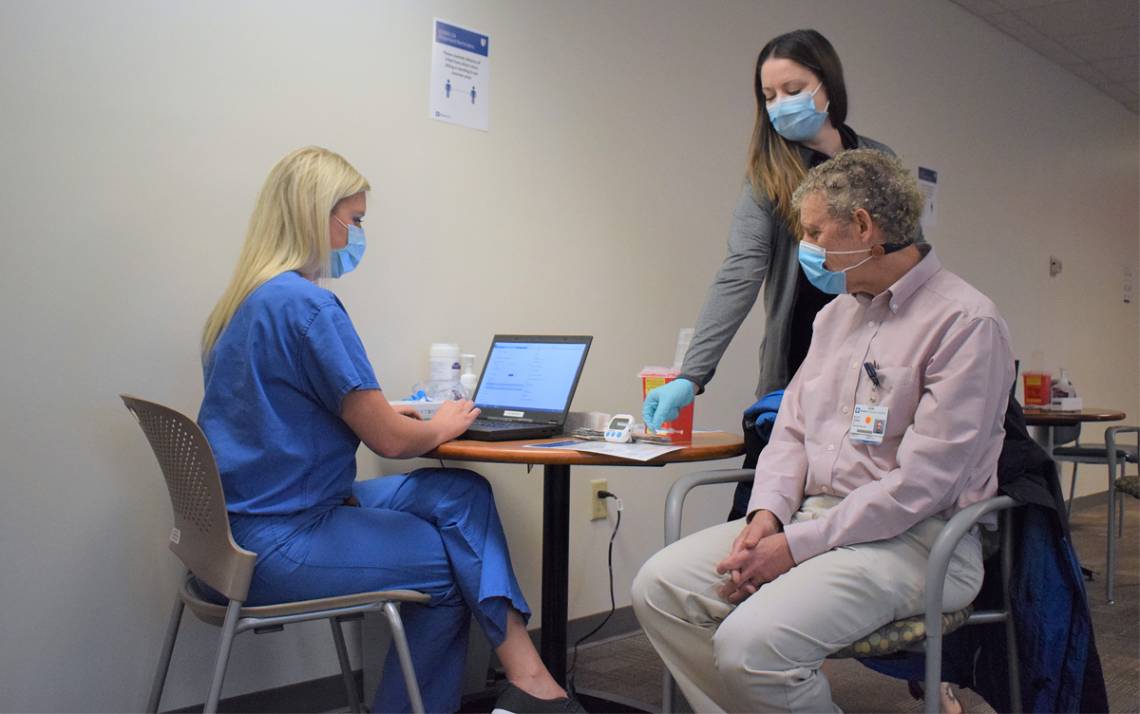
134,136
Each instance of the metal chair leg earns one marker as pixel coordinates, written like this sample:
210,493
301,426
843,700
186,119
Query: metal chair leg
668,692
1012,660
400,642
1072,490
1110,567
1120,515
163,666
229,627
345,666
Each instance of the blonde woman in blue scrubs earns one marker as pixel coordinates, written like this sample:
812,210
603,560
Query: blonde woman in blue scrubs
289,396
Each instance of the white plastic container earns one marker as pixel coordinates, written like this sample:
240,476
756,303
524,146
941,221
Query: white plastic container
424,408
443,363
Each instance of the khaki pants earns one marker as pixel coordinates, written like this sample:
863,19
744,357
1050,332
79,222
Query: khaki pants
764,654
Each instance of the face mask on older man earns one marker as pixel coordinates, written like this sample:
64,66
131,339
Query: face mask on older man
812,258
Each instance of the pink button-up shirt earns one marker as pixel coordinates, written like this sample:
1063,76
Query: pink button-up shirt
945,368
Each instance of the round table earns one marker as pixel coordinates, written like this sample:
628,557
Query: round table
1046,419
556,463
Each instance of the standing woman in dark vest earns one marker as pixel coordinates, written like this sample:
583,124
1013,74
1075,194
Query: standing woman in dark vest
801,107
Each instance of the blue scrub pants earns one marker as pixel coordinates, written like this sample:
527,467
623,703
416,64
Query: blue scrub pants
432,530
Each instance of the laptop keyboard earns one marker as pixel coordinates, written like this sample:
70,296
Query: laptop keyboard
488,425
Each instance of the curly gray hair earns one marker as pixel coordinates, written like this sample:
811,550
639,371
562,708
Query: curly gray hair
872,180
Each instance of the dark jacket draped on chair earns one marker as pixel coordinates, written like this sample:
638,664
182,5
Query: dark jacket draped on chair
1059,664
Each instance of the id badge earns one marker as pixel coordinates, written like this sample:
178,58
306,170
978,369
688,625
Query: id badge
868,424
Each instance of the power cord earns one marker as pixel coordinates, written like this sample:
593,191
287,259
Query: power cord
570,672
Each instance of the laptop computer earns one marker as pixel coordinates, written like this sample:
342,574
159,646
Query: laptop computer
527,384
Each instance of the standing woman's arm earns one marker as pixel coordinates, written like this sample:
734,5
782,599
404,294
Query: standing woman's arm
735,288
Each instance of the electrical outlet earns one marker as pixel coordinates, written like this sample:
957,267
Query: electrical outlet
598,508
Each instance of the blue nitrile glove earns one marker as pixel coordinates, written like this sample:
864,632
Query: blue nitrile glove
665,403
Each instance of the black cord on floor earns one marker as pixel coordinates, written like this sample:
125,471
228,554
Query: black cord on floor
570,688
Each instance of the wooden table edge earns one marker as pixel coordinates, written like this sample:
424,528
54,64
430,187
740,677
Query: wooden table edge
706,446
1046,417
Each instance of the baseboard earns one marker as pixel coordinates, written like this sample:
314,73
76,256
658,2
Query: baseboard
327,693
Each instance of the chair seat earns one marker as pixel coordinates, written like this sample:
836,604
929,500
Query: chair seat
900,635
1097,452
1129,484
215,614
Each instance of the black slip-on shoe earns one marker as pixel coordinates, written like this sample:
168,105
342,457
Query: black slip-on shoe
515,701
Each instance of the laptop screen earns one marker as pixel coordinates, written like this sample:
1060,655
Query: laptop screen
535,376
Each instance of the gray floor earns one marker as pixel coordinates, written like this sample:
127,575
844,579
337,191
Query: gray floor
629,667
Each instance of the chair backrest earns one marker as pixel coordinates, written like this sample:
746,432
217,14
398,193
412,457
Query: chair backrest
201,535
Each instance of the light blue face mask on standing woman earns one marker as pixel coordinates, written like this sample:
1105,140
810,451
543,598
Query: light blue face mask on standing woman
795,118
344,260
812,258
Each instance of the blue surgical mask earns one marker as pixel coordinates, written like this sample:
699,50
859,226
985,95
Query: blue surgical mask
795,118
344,260
812,258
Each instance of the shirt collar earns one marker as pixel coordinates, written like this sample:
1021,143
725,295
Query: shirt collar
915,278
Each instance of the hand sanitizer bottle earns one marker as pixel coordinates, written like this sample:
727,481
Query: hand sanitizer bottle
468,380
1064,393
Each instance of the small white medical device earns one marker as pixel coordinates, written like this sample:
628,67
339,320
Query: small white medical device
618,430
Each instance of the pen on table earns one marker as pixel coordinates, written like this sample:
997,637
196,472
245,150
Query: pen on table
872,374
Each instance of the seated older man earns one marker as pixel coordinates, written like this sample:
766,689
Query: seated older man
893,423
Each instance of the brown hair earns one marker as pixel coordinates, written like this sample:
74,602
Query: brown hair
774,164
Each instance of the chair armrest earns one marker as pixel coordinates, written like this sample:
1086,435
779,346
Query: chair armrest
943,549
953,532
1110,452
1111,432
675,501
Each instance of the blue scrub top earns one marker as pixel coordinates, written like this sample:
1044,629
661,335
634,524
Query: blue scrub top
274,384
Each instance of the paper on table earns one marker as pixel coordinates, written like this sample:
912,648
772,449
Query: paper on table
634,452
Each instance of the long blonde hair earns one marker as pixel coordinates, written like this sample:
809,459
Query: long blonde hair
289,228
775,169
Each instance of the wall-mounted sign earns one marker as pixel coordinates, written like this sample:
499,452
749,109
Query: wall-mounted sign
460,90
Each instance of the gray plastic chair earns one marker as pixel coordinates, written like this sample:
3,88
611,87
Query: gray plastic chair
931,625
1112,455
202,541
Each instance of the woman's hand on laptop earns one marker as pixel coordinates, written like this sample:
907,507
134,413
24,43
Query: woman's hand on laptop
453,418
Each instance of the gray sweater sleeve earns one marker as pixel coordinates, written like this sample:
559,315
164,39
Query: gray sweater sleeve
754,256
734,290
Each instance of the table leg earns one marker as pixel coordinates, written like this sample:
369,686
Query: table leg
1043,435
555,567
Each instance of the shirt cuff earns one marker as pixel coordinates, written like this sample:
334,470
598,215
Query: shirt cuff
806,539
696,383
779,506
